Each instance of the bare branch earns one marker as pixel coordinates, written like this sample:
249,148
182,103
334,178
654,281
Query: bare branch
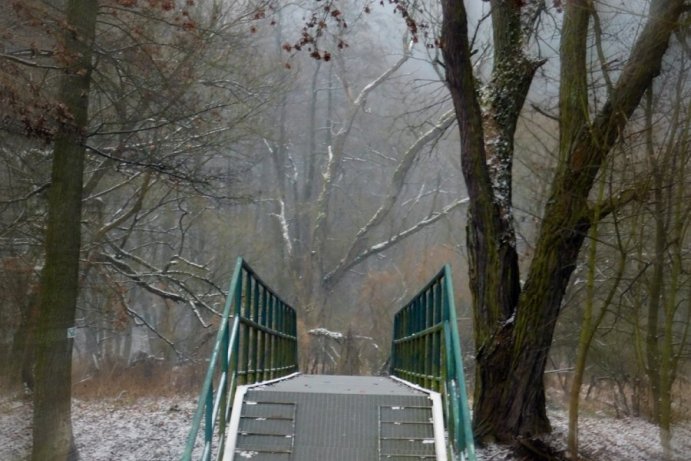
395,186
600,50
612,204
361,98
172,277
285,230
136,207
323,200
153,329
544,113
154,166
140,318
28,195
26,62
336,149
379,247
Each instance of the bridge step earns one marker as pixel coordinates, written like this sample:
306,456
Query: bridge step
267,430
318,417
406,433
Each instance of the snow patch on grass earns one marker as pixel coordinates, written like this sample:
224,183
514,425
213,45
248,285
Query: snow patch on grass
150,429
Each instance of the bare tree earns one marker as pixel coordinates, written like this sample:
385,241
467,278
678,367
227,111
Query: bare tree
336,207
514,322
52,426
157,83
667,326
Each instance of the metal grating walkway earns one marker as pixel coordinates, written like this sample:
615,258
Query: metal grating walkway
335,418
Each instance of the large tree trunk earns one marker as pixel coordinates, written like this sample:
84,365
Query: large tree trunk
486,151
514,327
52,426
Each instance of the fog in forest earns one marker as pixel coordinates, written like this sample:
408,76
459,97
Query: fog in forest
319,141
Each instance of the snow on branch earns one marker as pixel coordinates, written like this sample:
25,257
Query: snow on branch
338,336
396,184
132,274
197,314
335,150
26,62
153,329
140,279
140,318
285,230
402,170
177,258
381,246
362,97
323,200
359,101
133,211
599,211
153,166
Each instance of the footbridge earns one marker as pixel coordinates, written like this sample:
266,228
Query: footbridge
255,404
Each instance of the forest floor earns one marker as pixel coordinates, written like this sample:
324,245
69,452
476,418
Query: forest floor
141,429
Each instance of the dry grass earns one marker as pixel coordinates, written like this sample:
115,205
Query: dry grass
143,379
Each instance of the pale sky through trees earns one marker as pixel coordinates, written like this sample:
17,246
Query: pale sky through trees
348,181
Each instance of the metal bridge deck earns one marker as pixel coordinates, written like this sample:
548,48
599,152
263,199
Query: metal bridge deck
336,418
338,384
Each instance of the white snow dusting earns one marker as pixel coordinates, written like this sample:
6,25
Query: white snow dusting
108,430
155,429
329,334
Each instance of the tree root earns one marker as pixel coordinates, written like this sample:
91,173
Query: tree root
534,449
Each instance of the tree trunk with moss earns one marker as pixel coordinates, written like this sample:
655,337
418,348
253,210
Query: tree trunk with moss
590,322
52,425
514,326
671,217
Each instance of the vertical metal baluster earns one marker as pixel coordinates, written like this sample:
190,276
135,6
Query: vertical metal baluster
245,338
272,340
294,333
254,353
208,423
281,341
261,363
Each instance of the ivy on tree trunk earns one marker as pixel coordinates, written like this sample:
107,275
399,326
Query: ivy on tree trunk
513,325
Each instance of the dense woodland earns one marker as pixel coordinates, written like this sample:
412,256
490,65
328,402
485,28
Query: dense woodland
348,149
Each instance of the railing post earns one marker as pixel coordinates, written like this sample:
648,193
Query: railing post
224,372
467,442
426,351
273,340
294,332
257,335
261,347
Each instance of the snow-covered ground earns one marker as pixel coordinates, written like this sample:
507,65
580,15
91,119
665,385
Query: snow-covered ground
148,429
108,430
608,439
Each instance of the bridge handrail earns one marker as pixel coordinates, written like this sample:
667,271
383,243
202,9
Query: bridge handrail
256,341
426,351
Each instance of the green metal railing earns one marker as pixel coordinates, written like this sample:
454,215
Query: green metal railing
256,341
426,351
